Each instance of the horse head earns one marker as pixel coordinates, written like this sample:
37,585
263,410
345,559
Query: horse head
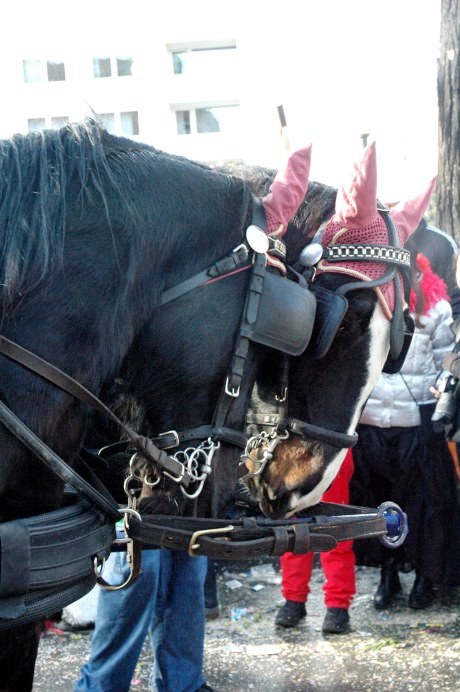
191,371
359,331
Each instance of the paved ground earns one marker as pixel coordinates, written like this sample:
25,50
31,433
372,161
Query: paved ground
398,650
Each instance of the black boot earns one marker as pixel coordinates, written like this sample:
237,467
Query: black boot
290,614
337,621
389,586
422,594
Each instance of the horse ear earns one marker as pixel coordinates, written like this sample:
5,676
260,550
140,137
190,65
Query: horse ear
407,215
356,205
287,191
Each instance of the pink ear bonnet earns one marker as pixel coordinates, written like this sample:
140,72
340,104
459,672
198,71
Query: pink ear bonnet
287,192
357,221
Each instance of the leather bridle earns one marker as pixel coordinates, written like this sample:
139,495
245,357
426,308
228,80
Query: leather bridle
271,423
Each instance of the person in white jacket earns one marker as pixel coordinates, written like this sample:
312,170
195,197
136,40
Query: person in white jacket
400,457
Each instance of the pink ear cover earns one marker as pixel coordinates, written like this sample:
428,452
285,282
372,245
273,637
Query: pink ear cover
287,191
357,221
356,205
408,214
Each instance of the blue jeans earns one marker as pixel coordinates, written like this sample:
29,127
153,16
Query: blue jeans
166,600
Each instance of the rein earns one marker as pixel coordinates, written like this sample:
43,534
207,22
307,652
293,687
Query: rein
318,529
143,445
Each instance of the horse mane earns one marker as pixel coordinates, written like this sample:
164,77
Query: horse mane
35,173
81,169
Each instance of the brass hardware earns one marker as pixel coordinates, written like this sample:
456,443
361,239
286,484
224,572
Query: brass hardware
193,545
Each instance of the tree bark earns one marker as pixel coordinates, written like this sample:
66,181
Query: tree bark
448,183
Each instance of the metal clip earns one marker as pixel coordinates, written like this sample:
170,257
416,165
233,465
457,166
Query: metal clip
193,545
242,250
176,479
281,399
133,556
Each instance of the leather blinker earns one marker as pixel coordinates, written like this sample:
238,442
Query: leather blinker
285,315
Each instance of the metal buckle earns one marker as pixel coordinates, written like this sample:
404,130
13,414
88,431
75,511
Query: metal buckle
192,546
277,248
176,438
241,251
233,392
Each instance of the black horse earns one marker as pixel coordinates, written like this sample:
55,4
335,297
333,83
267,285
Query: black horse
118,225
95,229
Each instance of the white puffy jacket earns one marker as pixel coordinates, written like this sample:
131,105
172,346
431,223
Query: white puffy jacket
390,403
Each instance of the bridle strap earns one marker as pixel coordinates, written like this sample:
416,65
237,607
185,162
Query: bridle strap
67,383
175,438
332,437
368,253
56,464
236,261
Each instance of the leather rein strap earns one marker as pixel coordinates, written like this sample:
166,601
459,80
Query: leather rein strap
49,372
255,536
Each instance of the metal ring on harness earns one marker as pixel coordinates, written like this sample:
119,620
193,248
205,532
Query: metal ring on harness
133,556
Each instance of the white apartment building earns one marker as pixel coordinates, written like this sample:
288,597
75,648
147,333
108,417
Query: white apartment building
184,91
203,79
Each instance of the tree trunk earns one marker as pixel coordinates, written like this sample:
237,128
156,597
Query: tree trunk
448,183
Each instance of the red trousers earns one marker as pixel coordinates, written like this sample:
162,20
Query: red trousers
338,564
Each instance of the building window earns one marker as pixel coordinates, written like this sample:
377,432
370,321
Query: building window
206,120
129,123
183,122
210,119
36,70
55,71
35,124
107,121
56,122
101,67
200,62
178,66
124,67
32,70
104,66
125,123
59,121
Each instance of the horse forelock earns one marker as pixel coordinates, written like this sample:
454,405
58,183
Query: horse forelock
317,207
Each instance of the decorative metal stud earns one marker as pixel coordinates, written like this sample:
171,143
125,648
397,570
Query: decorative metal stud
257,239
311,255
